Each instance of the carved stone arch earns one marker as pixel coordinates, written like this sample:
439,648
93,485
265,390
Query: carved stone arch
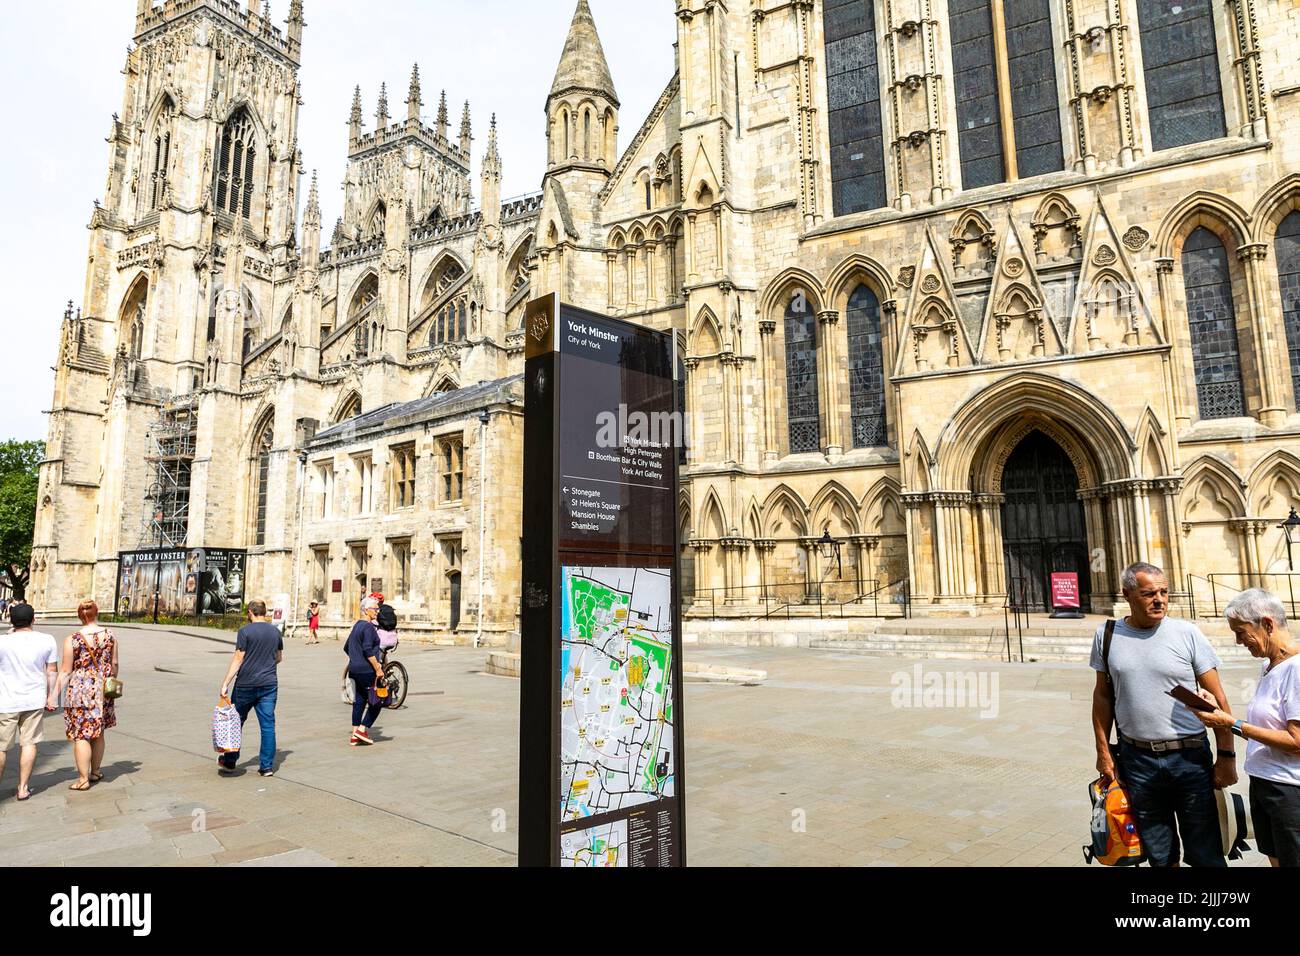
1044,398
1057,230
933,310
972,240
831,495
1281,199
263,419
373,223
1213,474
355,298
882,508
684,515
656,227
712,519
617,238
1016,299
1151,450
918,464
347,406
778,292
753,520
1219,214
989,465
1278,464
780,500
637,236
853,271
706,336
131,316
259,127
436,281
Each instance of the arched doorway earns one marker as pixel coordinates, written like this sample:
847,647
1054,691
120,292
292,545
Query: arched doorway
1043,524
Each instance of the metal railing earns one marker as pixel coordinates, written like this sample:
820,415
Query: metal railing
1223,586
1015,606
888,599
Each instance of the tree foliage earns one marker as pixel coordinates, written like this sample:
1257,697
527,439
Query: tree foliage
18,484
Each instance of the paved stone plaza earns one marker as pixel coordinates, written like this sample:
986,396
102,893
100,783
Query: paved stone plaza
815,766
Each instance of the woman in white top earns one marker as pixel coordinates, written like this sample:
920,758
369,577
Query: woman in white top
1272,724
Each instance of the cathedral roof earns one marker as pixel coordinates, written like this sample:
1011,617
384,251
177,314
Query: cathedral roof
439,405
582,64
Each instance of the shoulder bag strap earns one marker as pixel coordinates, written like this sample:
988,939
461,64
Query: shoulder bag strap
1105,663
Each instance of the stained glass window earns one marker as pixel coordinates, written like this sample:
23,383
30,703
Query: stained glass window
1213,324
1181,63
866,369
853,91
1287,246
802,412
975,82
1031,66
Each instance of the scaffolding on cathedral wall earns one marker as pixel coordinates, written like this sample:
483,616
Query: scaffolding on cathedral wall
171,453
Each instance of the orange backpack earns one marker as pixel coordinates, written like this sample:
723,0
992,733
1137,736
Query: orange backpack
1115,840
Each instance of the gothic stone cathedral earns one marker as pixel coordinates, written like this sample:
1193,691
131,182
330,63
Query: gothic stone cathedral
982,288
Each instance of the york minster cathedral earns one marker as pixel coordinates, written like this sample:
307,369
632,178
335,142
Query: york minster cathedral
978,290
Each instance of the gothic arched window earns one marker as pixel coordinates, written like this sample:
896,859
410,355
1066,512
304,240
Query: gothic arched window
853,93
236,163
1213,325
866,369
802,411
262,465
1287,245
1180,61
162,147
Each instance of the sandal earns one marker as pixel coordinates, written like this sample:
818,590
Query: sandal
80,785
26,796
96,776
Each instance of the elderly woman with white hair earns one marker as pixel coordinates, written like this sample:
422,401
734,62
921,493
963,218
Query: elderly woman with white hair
366,671
1272,724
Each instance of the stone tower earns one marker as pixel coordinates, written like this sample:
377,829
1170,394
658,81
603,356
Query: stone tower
197,219
582,148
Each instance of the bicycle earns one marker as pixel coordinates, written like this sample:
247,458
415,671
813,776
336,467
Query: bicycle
396,679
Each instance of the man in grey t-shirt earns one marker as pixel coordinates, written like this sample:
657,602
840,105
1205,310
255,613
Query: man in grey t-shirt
1163,758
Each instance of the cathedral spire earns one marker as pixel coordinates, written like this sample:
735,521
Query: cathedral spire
413,94
442,115
311,215
381,111
582,64
354,118
465,134
490,178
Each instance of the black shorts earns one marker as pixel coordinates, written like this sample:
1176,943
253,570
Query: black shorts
1275,818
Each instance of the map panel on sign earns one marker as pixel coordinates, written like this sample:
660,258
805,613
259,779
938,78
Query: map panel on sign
600,845
616,694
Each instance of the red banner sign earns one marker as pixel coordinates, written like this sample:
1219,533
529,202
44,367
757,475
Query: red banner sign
1065,589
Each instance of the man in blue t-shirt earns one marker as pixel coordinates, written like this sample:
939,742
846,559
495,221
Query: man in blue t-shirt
259,647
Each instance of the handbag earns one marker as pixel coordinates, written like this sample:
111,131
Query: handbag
378,695
113,688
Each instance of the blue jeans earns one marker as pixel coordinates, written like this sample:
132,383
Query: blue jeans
262,700
1169,785
364,713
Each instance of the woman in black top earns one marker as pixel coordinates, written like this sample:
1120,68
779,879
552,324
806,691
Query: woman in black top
365,669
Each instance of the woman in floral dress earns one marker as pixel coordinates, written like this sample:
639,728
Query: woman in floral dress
91,648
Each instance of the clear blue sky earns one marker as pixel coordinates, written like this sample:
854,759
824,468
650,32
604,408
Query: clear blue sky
60,67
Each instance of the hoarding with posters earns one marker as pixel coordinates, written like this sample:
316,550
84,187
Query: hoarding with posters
189,581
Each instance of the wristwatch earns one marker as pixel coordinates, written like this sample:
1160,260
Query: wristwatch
1229,754
1236,729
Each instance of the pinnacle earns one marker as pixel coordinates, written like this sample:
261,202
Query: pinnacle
582,64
